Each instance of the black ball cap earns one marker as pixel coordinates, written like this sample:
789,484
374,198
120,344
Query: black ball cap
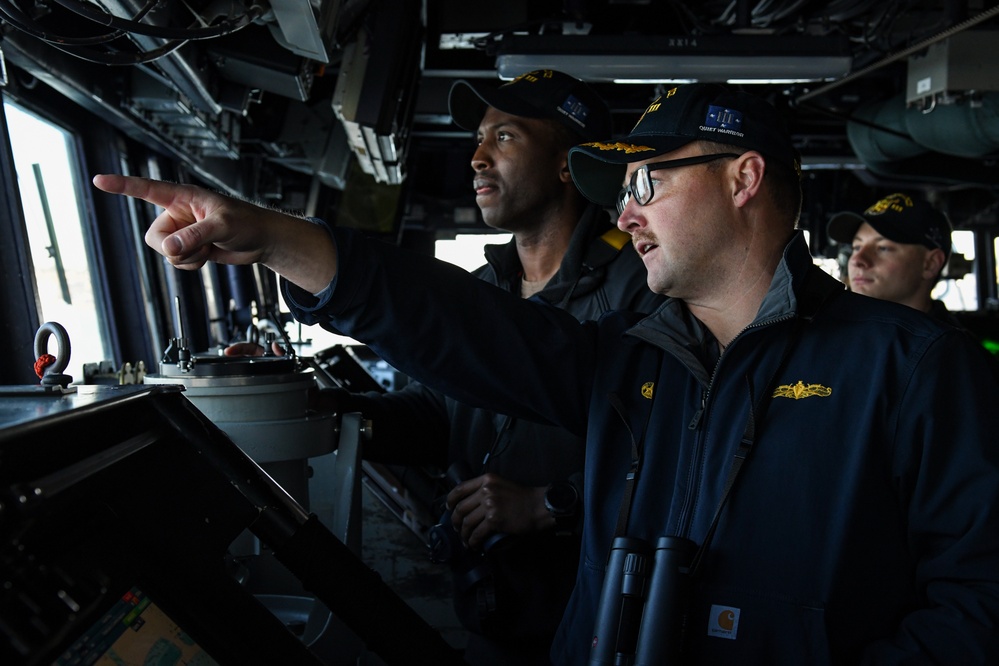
543,93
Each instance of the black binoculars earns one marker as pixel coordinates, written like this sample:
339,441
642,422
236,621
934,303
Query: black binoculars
643,603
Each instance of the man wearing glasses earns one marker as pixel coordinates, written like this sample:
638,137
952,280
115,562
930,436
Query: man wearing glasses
522,479
778,471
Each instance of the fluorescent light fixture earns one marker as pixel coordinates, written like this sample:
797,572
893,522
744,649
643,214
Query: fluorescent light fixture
762,81
644,58
633,81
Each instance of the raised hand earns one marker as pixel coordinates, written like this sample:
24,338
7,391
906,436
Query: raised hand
198,225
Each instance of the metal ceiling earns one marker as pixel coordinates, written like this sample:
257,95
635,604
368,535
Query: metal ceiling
314,104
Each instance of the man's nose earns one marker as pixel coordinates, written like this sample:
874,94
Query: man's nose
481,158
630,218
861,256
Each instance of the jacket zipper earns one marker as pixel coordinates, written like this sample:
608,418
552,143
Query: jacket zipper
685,517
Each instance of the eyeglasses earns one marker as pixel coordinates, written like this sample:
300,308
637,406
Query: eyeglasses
640,186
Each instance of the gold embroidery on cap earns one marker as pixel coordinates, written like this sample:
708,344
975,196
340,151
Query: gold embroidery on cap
802,390
652,108
627,148
532,76
895,202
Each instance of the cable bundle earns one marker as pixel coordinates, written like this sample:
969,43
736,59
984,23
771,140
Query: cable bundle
122,28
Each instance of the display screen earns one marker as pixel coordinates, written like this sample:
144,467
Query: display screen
135,632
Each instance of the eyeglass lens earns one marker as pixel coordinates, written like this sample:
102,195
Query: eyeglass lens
640,185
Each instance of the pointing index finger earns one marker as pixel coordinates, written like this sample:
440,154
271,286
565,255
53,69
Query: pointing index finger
155,192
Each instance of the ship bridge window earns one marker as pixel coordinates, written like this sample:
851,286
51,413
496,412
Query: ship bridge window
49,182
464,250
960,292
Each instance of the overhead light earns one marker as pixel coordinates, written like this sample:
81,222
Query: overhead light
749,82
644,58
633,81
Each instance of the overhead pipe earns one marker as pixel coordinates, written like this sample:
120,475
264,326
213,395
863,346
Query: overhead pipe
898,55
888,130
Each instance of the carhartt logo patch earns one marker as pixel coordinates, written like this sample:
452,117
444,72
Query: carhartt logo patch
648,388
802,390
723,622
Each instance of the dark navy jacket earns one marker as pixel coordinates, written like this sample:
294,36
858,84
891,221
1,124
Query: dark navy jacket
418,425
864,527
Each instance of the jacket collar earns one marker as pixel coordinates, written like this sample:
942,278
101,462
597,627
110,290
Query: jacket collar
587,252
673,328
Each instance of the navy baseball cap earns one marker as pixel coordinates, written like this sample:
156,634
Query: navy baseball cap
681,115
542,93
899,218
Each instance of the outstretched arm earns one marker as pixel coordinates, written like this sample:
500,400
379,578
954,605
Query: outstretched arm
197,226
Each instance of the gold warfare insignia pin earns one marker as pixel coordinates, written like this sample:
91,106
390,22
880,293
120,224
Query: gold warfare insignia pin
627,148
647,390
802,390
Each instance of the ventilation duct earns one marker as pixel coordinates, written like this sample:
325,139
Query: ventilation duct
886,134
